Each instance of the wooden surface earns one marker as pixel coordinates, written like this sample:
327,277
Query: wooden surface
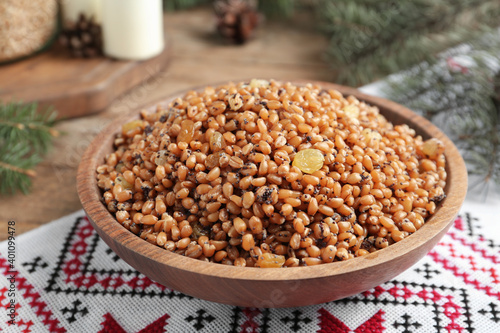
276,287
198,57
73,86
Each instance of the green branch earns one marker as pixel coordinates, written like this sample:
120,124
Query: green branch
25,136
371,39
460,93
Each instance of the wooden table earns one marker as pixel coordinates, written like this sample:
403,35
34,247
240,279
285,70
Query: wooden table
199,57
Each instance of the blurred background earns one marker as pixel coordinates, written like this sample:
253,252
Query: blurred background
69,67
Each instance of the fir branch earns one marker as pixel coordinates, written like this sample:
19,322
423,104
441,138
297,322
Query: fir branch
16,168
460,93
371,39
23,123
25,135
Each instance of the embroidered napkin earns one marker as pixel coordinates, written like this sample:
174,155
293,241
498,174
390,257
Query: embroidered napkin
63,278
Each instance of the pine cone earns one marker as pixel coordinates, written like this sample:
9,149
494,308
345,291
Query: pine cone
83,38
236,19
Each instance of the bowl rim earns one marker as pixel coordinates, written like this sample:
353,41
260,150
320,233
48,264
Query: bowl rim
435,226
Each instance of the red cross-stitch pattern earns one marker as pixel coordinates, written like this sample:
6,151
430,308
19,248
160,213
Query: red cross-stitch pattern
40,308
73,267
249,325
25,326
466,277
110,325
331,324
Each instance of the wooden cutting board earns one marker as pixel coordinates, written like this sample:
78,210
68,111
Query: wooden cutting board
74,87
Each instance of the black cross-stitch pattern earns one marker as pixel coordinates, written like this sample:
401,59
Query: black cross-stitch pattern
492,312
472,230
51,283
235,318
37,262
469,220
75,310
408,325
466,308
113,255
200,319
266,313
91,251
296,320
427,272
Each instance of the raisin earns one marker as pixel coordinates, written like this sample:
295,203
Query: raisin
309,160
187,131
270,260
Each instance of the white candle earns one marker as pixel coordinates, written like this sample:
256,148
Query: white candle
72,9
132,29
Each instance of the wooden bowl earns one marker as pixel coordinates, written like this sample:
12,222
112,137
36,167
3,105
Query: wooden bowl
274,287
